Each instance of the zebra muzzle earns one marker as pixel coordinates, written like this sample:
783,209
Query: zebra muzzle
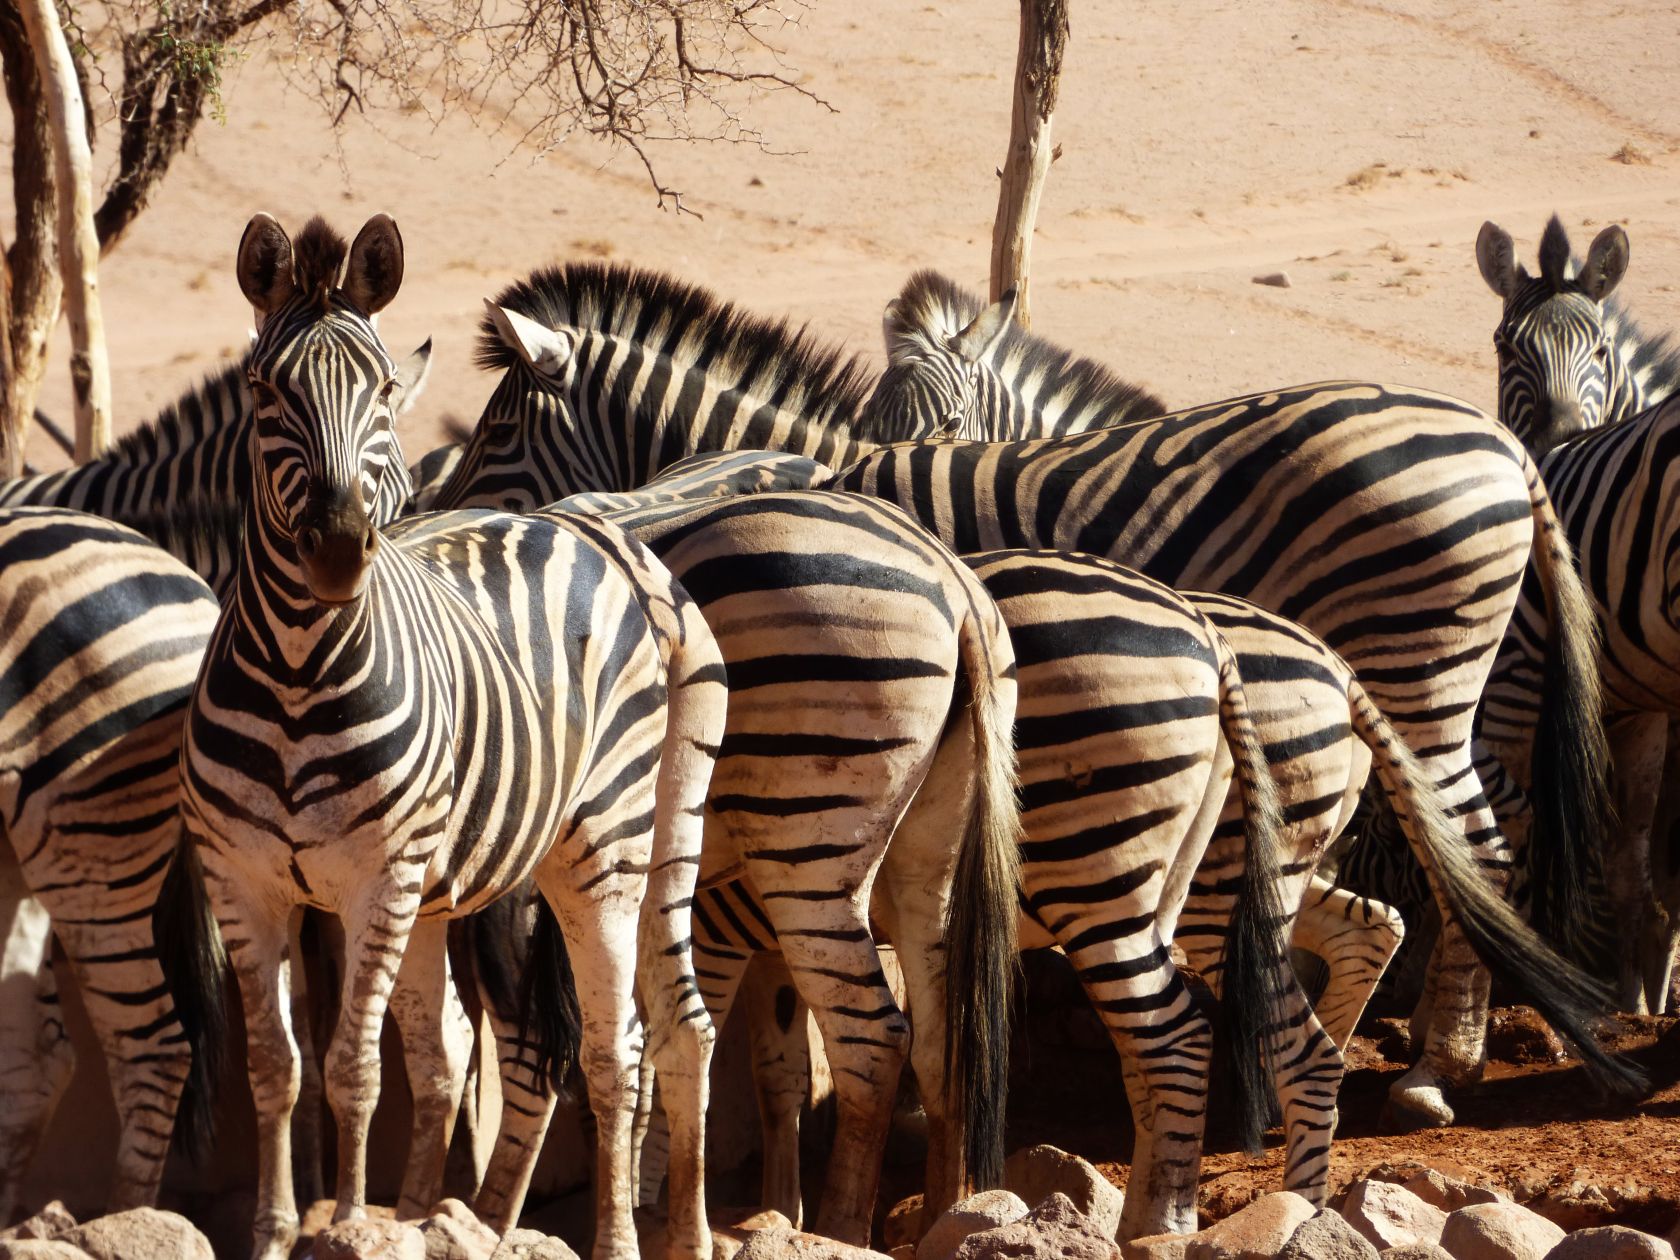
336,544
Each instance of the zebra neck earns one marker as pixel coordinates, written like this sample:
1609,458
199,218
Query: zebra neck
1647,369
646,410
281,628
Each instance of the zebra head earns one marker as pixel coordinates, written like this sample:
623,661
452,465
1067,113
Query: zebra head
1558,366
511,452
940,385
328,466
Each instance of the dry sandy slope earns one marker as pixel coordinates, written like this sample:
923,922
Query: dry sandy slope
1203,143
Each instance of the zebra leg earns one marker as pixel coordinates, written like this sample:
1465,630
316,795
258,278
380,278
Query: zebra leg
1663,936
598,916
376,935
437,1040
36,1057
255,933
1639,752
528,1100
308,1155
776,1024
1356,937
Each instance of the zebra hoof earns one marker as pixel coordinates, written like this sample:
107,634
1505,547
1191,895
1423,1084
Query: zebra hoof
1417,1107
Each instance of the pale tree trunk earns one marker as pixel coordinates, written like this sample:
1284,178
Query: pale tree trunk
1038,77
32,260
78,241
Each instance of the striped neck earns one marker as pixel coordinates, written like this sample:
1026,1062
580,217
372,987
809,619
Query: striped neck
1645,369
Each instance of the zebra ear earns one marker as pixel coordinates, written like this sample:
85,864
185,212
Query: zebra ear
376,265
981,337
264,265
412,374
1606,264
545,349
1497,257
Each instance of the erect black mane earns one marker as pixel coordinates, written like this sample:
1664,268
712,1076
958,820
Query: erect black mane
770,358
317,258
932,308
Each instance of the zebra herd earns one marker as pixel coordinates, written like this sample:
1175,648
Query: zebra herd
707,643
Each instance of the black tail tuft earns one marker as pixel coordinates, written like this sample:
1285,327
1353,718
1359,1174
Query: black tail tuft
549,1019
190,953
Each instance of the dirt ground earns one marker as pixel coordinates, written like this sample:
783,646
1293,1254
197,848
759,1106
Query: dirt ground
1356,145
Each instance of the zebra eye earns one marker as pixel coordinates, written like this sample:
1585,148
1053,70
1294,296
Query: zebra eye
1601,352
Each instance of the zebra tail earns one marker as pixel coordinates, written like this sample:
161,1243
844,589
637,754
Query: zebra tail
1570,793
550,1022
1568,998
1251,994
194,967
980,949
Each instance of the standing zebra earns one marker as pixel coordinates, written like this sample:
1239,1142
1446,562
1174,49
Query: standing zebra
1594,396
104,635
1395,524
398,728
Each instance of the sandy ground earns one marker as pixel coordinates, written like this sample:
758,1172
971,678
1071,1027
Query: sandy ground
1356,145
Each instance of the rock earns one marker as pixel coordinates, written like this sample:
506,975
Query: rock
904,1251
1499,1231
1517,1034
1327,1236
49,1222
1258,1232
529,1244
454,1232
1157,1247
371,1238
1448,1193
903,1225
141,1234
731,1229
39,1249
1054,1230
1416,1251
1611,1242
1387,1215
986,1210
1276,279
791,1244
1037,1172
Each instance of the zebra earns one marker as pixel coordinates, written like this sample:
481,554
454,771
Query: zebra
1319,733
1588,392
850,640
400,726
1394,523
645,370
103,641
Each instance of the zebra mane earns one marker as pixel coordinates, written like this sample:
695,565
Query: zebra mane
762,356
193,527
1654,358
317,257
1077,393
216,403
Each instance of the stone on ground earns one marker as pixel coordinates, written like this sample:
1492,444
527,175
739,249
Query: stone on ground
732,1229
140,1234
903,1226
1054,1230
791,1244
529,1244
454,1232
1157,1247
1258,1232
1327,1236
1611,1242
49,1222
1416,1251
978,1212
1448,1193
1499,1231
1388,1215
1037,1172
39,1249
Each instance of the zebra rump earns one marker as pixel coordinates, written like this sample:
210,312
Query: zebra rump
195,968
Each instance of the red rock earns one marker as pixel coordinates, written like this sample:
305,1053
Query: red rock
1499,1231
1448,1193
530,1244
974,1215
1611,1242
454,1232
791,1244
1054,1230
371,1238
1327,1236
49,1222
1388,1215
39,1249
140,1234
1037,1172
1157,1247
1258,1232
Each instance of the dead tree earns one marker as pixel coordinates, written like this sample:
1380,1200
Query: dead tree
78,240
1038,79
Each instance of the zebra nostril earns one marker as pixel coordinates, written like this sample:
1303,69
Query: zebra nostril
370,543
309,541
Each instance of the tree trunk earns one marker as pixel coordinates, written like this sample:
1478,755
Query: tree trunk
1038,77
32,260
78,241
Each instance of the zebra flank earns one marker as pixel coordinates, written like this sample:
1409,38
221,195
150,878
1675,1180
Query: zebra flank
104,636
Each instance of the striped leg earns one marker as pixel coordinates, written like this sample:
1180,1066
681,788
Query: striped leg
36,1057
310,1020
1356,937
376,935
776,1023
437,1040
527,1106
1639,752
